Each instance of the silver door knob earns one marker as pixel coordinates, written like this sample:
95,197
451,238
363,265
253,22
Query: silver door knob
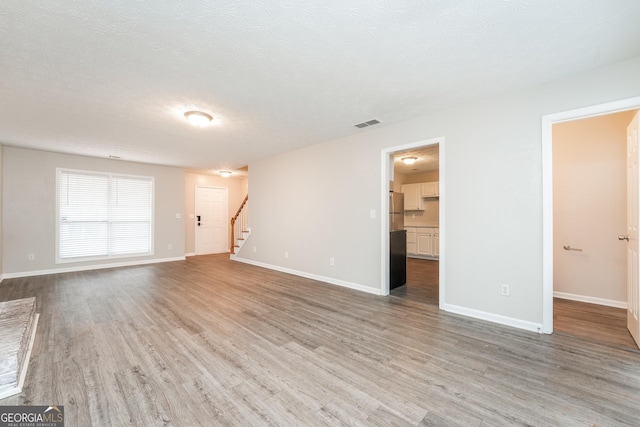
621,237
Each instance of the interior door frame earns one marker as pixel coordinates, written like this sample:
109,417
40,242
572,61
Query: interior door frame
547,190
387,173
195,219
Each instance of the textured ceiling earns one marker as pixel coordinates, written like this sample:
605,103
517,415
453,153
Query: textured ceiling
427,160
113,77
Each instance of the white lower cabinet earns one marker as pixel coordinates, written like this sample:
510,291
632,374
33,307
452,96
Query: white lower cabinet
436,242
423,242
411,240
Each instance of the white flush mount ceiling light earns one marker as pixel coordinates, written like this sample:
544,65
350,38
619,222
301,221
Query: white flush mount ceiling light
198,118
225,174
409,160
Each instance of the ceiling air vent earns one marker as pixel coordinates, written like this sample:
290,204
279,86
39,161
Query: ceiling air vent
367,123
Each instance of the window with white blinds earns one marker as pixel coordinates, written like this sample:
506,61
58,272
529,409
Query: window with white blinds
103,215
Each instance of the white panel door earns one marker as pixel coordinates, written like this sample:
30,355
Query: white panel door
211,220
633,296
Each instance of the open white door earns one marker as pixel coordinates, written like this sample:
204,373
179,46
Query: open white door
633,296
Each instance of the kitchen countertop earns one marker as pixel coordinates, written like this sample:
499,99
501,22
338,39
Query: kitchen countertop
422,226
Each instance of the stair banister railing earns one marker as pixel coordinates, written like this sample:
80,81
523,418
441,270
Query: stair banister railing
239,222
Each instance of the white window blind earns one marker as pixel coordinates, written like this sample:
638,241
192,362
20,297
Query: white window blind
103,215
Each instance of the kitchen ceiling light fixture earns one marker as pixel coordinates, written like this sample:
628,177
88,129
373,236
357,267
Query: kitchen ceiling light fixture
225,174
409,160
198,118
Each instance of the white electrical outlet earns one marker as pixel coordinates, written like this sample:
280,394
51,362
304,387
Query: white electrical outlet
332,261
504,290
169,246
372,214
255,249
286,254
31,257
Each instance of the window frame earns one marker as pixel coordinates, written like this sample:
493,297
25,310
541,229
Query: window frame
109,175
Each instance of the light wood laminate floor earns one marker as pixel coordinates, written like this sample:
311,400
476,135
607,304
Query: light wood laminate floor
422,282
211,342
592,322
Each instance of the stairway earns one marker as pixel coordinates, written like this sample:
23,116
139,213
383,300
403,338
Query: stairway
18,322
240,229
244,234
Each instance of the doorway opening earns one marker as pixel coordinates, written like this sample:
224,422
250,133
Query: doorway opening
418,180
584,210
422,185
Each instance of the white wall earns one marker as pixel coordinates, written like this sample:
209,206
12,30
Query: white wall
1,255
29,208
427,217
589,207
237,190
315,202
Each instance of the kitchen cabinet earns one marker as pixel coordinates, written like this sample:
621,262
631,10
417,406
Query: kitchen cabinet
414,194
436,242
423,242
412,197
430,189
411,240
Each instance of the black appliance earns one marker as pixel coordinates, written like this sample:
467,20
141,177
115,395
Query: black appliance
397,241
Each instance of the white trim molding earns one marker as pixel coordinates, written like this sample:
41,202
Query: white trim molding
591,300
317,277
89,267
495,318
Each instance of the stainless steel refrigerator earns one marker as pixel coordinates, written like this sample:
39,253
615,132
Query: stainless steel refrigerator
397,241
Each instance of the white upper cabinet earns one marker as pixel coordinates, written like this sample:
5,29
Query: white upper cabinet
412,197
430,189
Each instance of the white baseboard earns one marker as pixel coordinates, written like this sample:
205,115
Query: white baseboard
89,267
317,277
495,318
190,254
590,300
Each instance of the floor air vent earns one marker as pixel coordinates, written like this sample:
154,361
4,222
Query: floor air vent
367,123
